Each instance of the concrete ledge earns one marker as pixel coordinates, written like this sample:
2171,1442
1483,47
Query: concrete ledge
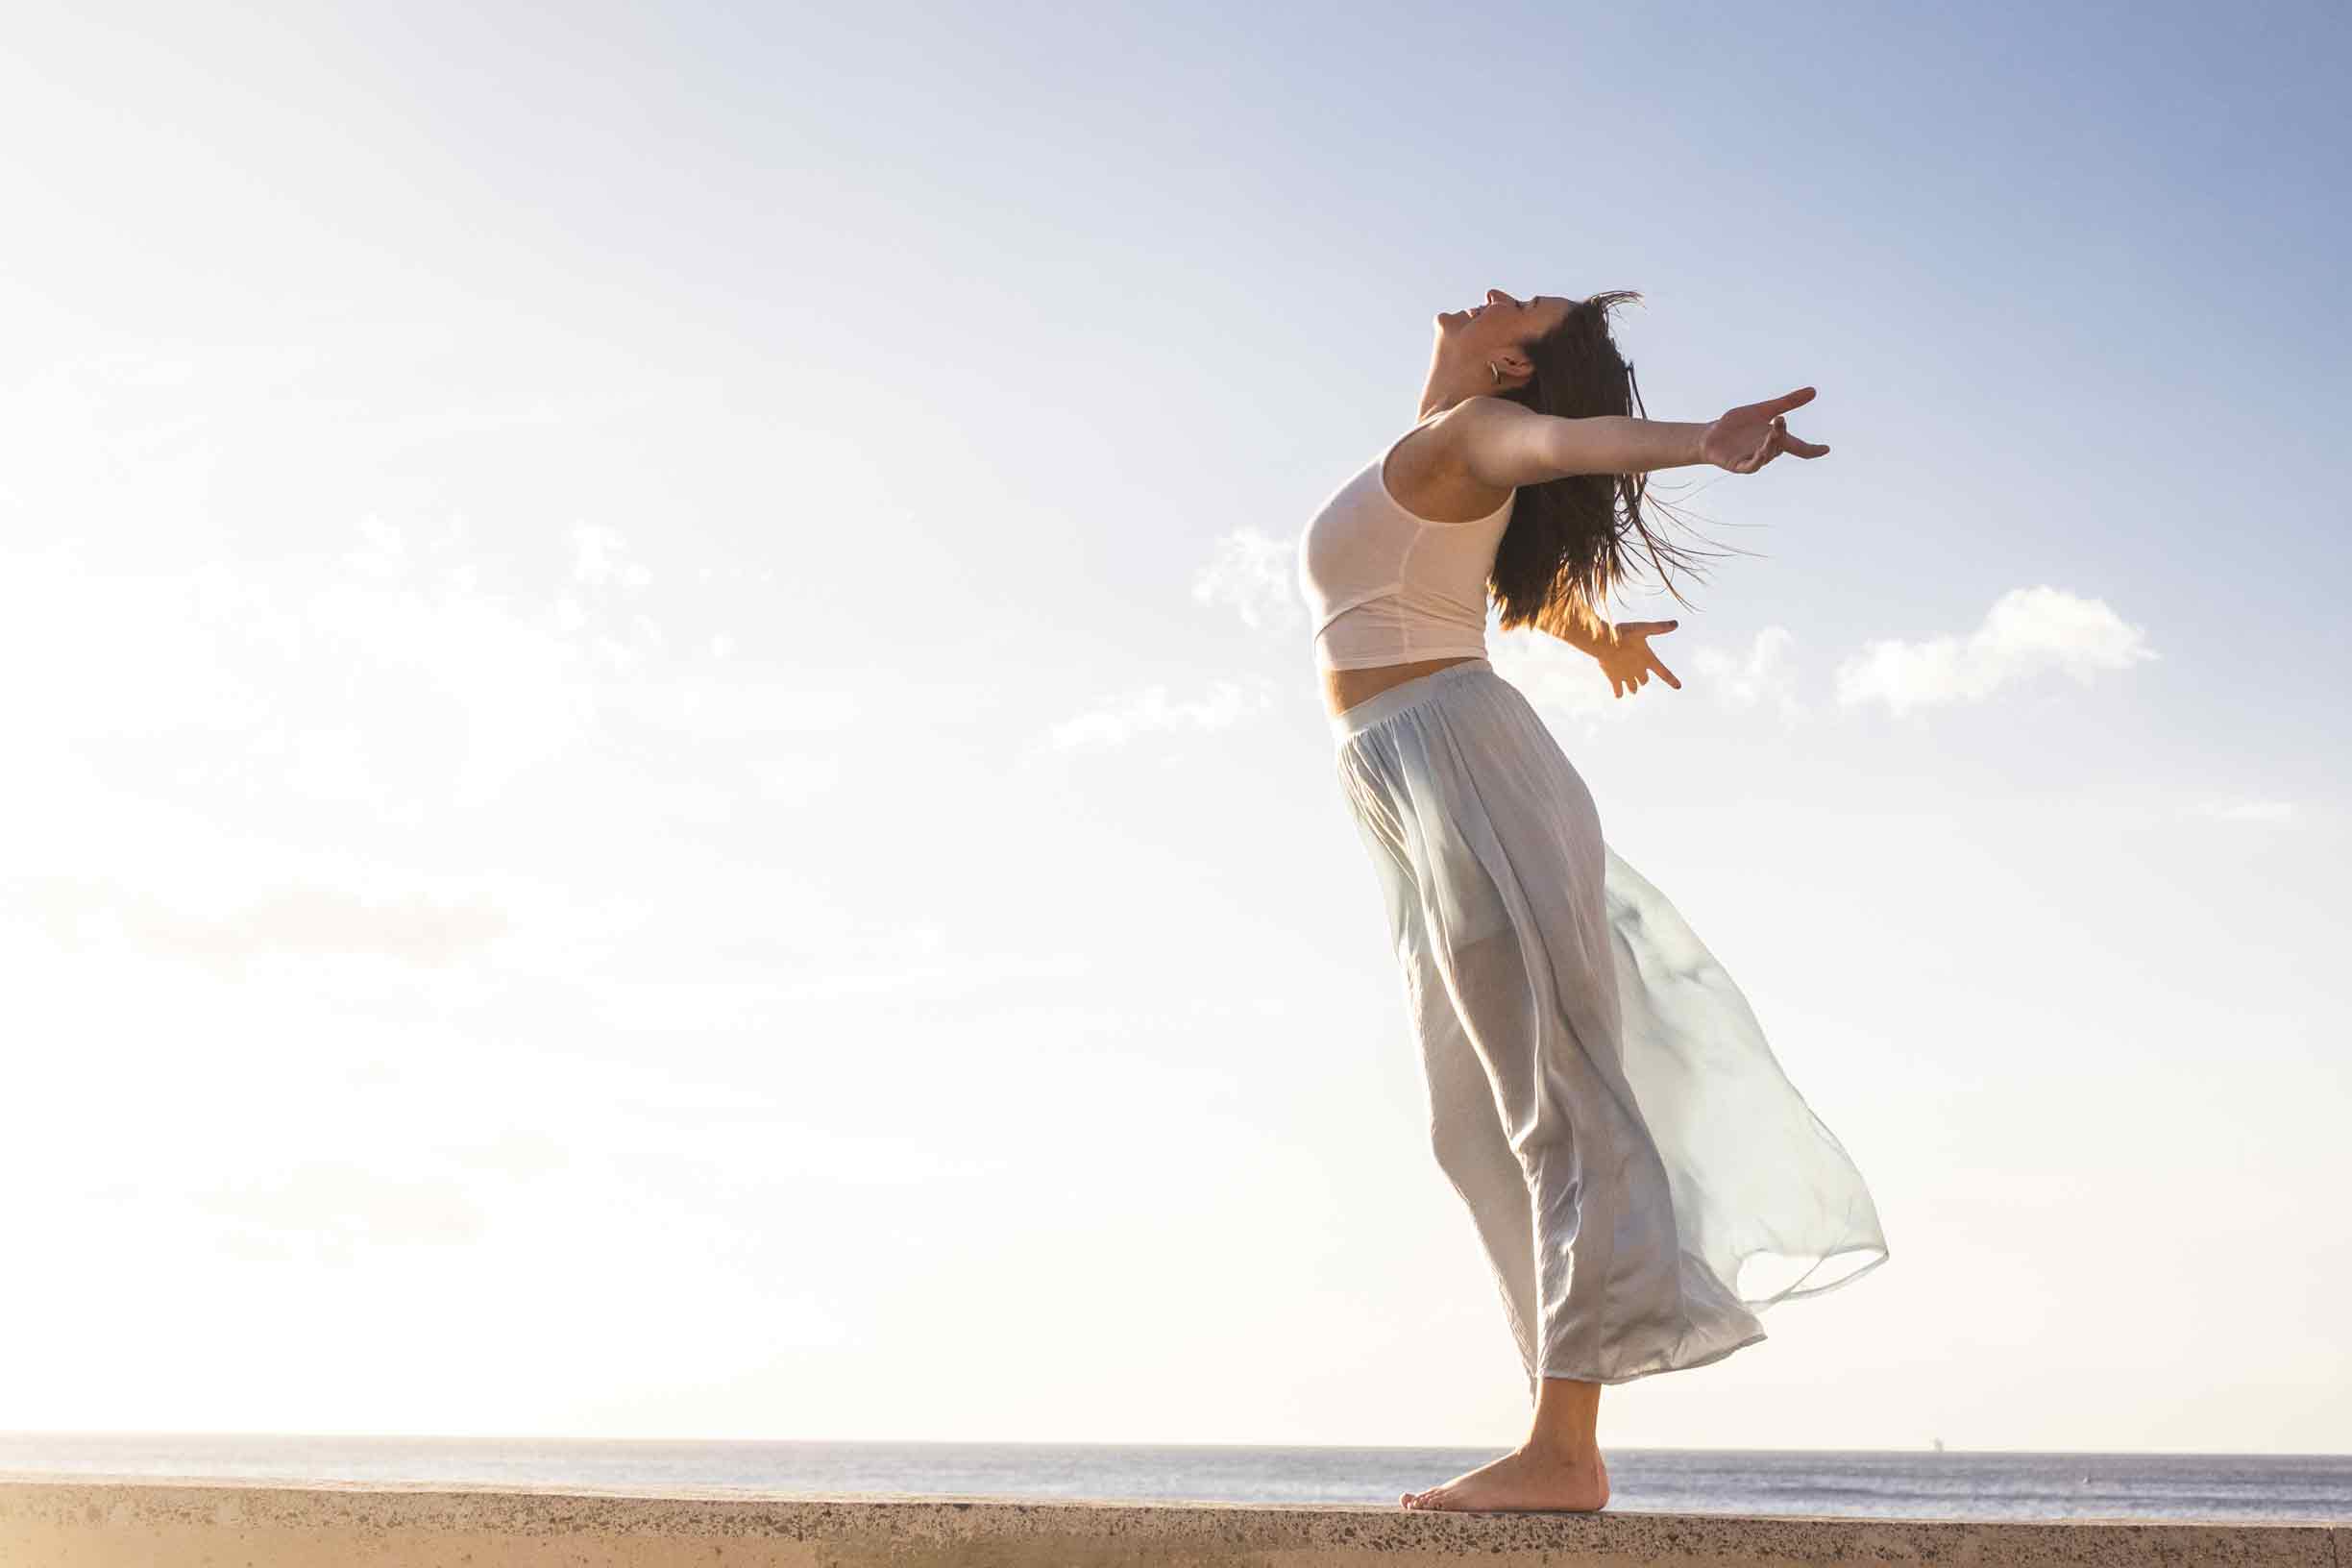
118,1522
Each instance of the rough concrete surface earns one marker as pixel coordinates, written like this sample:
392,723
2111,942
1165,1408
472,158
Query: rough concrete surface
146,1522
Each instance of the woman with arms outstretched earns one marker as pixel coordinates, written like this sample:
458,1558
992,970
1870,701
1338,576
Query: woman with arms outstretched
1599,1091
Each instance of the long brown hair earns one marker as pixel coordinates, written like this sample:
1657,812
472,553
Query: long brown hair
1572,540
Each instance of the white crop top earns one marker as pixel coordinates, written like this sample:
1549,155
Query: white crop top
1384,586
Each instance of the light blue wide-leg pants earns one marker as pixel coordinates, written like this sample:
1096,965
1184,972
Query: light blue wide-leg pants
1600,1093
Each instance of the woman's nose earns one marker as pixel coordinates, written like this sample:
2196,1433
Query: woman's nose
1495,296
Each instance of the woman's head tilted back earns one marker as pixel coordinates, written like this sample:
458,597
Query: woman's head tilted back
1570,540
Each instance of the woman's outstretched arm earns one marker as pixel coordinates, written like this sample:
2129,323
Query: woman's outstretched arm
1504,444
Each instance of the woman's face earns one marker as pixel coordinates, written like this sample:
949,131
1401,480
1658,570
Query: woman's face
1502,321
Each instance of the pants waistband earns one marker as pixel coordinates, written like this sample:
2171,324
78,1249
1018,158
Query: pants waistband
1350,723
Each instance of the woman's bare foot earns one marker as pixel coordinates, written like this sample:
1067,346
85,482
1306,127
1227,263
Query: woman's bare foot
1525,1480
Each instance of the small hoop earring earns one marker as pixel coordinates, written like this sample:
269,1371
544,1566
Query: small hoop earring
1496,374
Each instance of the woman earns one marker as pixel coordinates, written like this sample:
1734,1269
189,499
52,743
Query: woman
1600,1093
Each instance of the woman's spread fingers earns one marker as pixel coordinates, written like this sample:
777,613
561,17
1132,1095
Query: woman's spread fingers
1772,405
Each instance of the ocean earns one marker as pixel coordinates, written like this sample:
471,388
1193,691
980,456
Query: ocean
1915,1485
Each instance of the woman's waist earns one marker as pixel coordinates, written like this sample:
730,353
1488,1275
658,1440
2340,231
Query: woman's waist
1352,688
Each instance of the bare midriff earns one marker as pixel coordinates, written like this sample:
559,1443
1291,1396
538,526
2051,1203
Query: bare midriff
1343,688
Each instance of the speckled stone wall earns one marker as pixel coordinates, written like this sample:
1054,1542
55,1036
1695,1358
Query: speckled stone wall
140,1522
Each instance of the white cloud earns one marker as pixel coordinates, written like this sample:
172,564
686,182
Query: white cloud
1762,675
338,1212
2248,811
601,557
416,927
1150,711
1555,676
402,679
952,977
2027,632
1252,573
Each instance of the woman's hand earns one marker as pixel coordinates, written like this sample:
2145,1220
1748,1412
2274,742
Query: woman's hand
1746,438
1630,662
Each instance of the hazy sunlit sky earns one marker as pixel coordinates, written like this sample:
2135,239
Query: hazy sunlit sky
665,779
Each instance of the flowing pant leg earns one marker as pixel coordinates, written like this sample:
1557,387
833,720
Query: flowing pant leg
1466,1128
1600,1246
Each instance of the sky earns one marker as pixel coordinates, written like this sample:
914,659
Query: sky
665,777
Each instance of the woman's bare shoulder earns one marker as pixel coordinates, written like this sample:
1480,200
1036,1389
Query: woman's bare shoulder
1430,472
1447,439
1500,444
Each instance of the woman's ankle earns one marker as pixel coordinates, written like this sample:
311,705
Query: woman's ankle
1567,1451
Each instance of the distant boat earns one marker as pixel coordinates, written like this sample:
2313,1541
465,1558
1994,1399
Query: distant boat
1939,1442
